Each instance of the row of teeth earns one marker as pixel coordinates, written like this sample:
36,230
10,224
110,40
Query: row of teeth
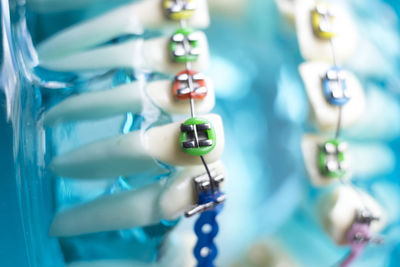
137,151
339,207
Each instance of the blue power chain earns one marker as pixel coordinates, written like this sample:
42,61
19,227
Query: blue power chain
206,229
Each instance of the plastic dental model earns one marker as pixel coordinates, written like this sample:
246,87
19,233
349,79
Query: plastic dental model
130,97
337,100
137,208
193,146
133,18
135,152
152,55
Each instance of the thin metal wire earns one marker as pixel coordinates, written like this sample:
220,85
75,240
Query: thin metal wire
339,127
186,47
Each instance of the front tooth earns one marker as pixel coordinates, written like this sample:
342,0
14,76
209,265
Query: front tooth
133,153
151,55
326,115
337,211
125,98
129,19
130,209
313,48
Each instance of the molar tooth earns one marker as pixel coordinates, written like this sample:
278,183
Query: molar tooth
135,152
124,98
148,55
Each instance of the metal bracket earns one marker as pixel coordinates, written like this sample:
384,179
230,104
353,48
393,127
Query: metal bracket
207,199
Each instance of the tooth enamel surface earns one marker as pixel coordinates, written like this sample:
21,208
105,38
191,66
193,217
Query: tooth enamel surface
338,209
97,105
119,211
326,115
136,208
151,55
309,147
124,98
129,19
135,152
312,48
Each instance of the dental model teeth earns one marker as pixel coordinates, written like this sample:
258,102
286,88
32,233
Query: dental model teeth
129,98
327,95
134,153
326,161
316,25
130,19
150,55
130,209
339,208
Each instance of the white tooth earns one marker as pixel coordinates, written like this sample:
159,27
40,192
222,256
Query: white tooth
326,115
152,55
128,19
309,146
96,105
135,152
311,47
125,98
287,8
130,209
338,209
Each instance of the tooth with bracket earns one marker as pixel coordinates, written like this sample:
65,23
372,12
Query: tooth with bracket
151,55
326,160
170,97
317,23
339,208
138,208
325,102
129,19
135,152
